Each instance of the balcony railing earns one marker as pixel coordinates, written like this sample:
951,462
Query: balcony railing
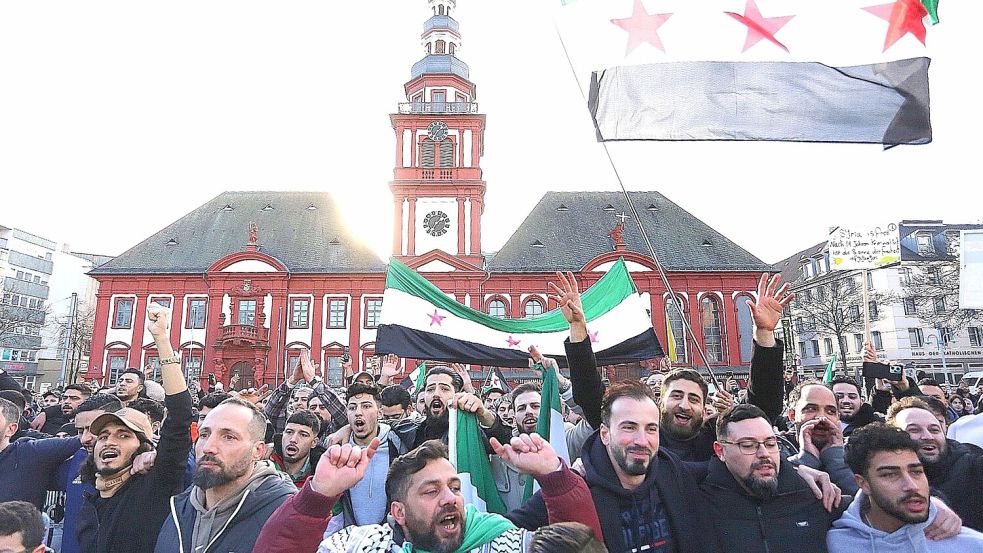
438,174
438,107
245,334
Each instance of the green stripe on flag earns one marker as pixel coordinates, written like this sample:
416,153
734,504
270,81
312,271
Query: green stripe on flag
421,377
549,403
828,377
606,294
471,458
932,7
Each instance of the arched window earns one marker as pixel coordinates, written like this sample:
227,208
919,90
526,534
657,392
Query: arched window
532,308
450,48
745,327
496,308
427,152
712,328
439,47
440,10
675,319
447,153
428,49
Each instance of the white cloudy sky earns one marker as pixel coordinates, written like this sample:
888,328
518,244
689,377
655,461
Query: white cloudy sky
117,117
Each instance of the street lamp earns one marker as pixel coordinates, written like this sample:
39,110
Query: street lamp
940,343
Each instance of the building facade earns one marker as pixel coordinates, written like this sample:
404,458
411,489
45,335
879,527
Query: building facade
252,278
913,313
26,265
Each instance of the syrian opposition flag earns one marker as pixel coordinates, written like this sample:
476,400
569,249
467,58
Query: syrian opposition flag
419,321
468,455
804,71
550,424
497,380
414,381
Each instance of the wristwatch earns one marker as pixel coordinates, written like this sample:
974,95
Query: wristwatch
172,360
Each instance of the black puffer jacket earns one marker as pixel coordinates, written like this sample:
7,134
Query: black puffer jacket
792,520
865,415
959,477
663,508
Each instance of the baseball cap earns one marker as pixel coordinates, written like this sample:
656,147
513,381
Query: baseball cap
130,418
154,391
366,373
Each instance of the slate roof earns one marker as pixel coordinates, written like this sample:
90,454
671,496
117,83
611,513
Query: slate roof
940,244
297,228
571,228
790,267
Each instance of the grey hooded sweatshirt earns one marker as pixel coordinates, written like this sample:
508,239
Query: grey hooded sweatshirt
231,525
850,534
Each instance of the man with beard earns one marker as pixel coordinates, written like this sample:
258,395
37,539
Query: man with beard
297,454
441,388
854,411
233,493
953,468
130,385
53,418
296,392
128,509
68,478
817,440
505,411
490,395
758,502
365,502
643,494
428,511
396,404
892,510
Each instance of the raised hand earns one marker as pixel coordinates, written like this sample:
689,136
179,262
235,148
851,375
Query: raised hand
549,364
471,403
390,366
254,395
870,356
722,400
158,320
341,467
307,367
298,374
529,453
771,302
462,371
567,296
143,463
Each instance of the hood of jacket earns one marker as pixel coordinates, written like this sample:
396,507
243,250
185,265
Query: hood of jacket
260,487
719,476
599,471
851,533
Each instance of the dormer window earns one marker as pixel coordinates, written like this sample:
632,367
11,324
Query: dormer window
609,208
538,244
652,208
924,241
228,207
269,207
563,208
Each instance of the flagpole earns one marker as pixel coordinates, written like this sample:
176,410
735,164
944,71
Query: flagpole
641,228
865,274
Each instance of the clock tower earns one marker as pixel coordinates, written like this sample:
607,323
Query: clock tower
438,191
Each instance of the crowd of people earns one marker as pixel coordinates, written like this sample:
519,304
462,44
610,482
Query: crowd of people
668,464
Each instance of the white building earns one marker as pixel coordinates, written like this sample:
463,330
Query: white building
898,330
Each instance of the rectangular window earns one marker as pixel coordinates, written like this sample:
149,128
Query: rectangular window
807,295
909,306
875,336
247,312
336,374
337,312
154,362
192,363
163,301
802,350
939,303
24,301
858,342
815,347
37,279
373,310
20,275
124,313
870,280
828,346
820,293
916,337
935,275
975,336
905,274
196,313
5,355
947,335
925,246
855,312
799,324
117,364
872,310
300,310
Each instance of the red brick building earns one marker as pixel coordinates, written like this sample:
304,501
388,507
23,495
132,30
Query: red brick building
246,301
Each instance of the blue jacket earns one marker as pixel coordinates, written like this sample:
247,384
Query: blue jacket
67,480
27,467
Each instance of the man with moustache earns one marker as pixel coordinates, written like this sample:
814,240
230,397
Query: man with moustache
128,509
758,502
817,439
68,478
854,411
892,511
442,387
297,453
53,418
952,468
234,491
130,386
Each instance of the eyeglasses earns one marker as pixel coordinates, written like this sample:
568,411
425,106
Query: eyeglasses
750,447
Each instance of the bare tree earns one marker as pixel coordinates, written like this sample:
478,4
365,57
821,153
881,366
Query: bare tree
80,342
17,322
834,306
934,291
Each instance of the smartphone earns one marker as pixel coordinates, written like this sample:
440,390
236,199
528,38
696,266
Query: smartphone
211,378
883,370
344,355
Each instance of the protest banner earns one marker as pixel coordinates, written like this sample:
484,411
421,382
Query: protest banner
855,248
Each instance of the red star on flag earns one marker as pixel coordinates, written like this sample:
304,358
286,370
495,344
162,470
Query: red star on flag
436,318
512,341
642,27
593,336
903,17
760,27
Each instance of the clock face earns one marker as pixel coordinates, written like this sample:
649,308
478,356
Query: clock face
436,223
437,131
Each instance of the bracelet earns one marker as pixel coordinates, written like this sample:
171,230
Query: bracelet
172,360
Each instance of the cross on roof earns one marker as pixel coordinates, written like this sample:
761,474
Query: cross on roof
624,217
